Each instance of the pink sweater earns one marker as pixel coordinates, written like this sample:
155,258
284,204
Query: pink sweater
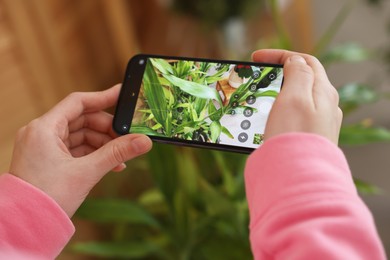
32,225
303,205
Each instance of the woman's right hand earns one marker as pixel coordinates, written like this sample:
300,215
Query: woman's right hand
308,102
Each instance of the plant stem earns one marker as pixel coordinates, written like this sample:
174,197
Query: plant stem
333,28
282,32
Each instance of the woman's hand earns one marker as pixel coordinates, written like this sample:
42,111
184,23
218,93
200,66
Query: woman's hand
69,149
308,102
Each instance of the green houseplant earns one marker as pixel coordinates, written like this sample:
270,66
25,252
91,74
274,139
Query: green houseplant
192,202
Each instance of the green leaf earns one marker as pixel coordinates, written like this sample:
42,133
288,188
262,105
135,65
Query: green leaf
144,130
218,75
162,65
169,96
220,246
194,89
155,97
366,188
162,161
199,105
127,250
214,114
115,210
241,90
217,203
151,197
156,126
349,52
276,12
353,95
215,129
182,68
227,175
359,134
267,93
194,114
164,82
187,127
168,124
227,133
153,201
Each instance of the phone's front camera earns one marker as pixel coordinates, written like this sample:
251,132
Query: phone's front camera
125,127
141,62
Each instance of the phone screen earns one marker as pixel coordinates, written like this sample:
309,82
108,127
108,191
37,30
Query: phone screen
208,103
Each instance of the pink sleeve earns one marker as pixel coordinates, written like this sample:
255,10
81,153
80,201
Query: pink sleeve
303,203
32,225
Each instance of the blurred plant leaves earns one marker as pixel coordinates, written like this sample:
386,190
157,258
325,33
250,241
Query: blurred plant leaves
150,197
347,52
376,3
360,134
223,247
164,170
333,28
365,187
353,95
283,39
115,210
124,249
215,13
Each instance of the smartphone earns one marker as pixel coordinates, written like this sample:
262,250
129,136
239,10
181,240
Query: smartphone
215,104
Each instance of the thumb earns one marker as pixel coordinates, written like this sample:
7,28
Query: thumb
118,151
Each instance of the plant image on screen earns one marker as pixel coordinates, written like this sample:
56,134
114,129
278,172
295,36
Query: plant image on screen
190,100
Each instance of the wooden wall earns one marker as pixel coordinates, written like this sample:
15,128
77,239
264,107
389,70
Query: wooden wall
51,48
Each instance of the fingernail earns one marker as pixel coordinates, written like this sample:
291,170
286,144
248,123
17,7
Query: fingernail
121,167
141,144
297,58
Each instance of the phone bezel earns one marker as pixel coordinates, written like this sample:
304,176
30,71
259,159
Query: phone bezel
129,94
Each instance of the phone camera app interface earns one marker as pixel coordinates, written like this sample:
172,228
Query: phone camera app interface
206,101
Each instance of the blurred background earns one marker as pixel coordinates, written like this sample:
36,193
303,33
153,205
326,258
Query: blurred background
181,203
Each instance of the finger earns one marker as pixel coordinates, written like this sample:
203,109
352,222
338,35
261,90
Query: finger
98,121
275,56
78,103
272,56
298,80
87,136
120,167
339,119
117,152
84,150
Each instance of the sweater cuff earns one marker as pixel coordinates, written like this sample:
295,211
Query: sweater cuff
295,164
30,220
